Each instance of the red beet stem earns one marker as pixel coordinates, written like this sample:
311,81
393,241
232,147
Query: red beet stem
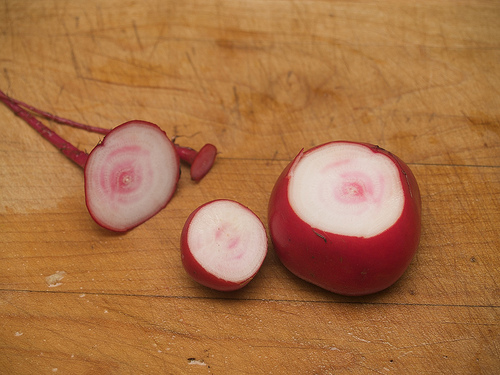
201,162
186,154
74,154
60,120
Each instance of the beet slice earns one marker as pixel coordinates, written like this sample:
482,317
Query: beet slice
223,245
130,176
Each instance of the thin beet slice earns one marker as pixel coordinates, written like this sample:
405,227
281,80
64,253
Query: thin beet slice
130,176
203,162
223,245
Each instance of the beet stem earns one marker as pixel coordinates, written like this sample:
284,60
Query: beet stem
60,120
202,160
74,154
186,154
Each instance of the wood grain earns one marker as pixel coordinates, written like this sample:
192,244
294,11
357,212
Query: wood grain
261,80
204,335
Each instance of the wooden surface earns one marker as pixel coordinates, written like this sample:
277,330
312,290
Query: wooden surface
261,80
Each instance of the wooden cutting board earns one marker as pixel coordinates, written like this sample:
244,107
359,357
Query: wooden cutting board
261,80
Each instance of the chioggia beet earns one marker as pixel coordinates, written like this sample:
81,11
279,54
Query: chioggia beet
346,216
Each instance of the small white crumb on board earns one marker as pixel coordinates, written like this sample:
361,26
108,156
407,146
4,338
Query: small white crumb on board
54,280
194,361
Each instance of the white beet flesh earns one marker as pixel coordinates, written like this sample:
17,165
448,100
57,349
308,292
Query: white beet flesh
346,189
228,240
130,176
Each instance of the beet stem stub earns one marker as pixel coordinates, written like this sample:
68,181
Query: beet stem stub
201,162
186,154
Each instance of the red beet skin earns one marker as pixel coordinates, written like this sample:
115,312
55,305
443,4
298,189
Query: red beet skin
346,265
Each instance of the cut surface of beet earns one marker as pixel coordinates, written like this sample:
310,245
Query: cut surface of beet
347,189
224,244
130,176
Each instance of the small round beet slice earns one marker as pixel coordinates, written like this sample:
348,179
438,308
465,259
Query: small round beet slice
130,176
223,245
